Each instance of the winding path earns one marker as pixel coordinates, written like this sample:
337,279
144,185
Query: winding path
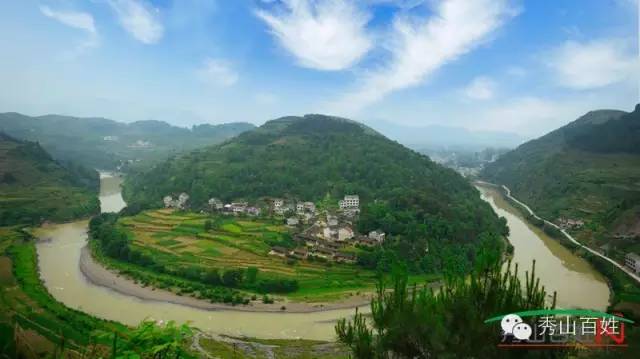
567,235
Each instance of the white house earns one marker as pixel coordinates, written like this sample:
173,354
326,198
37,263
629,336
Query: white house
277,203
378,236
292,221
168,201
632,261
215,204
300,207
350,202
183,199
254,211
329,233
345,233
239,207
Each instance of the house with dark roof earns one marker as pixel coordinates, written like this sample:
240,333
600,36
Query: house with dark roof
278,251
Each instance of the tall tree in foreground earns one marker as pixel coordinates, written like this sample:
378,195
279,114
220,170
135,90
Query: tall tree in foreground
420,323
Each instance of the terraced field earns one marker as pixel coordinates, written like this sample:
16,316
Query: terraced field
174,238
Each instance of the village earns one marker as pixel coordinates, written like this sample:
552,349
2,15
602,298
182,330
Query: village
322,235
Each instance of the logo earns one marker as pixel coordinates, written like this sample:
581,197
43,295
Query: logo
547,328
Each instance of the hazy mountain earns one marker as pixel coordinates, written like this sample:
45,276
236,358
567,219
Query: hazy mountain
437,137
103,143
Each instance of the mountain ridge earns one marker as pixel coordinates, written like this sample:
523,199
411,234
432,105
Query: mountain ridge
105,143
320,158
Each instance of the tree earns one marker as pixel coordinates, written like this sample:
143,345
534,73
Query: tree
251,275
418,323
152,340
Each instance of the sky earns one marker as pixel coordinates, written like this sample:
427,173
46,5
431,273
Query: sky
521,66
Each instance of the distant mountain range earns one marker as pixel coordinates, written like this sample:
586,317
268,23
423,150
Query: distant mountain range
320,158
34,187
103,143
435,137
588,169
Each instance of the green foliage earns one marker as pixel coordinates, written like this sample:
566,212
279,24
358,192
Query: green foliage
34,187
319,158
152,340
82,140
420,323
587,169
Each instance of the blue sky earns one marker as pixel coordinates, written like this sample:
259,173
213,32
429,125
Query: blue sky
512,65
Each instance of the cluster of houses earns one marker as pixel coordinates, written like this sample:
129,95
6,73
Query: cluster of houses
568,223
326,236
302,253
235,208
328,249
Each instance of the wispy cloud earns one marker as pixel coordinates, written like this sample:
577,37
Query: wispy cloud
422,46
592,64
321,34
480,88
218,72
78,20
140,19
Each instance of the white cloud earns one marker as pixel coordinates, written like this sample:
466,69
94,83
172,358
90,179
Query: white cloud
140,19
78,20
218,72
321,34
422,46
593,64
480,88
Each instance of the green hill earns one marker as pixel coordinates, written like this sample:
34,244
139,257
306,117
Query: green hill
588,170
102,143
418,202
34,187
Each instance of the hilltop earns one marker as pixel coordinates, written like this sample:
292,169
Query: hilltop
588,170
34,187
103,143
422,205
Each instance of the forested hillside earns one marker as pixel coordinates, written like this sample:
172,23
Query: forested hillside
419,203
587,170
34,187
102,143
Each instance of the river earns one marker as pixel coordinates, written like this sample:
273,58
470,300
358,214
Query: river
577,283
59,258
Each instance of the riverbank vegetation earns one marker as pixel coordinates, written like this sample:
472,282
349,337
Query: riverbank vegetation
226,261
31,319
588,172
35,188
34,325
625,291
418,323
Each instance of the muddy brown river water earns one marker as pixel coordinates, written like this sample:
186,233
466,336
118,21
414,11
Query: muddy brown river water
578,285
